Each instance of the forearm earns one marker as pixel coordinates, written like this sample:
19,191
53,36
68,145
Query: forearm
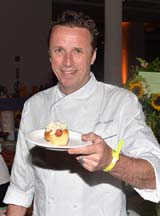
14,210
136,172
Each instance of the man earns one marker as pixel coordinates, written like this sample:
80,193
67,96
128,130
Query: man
86,181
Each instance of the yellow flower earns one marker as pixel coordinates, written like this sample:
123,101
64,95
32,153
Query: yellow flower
137,88
155,102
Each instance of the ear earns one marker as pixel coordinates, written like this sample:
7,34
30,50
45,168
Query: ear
93,58
50,59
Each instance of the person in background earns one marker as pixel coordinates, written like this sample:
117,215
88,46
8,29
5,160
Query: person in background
85,181
4,182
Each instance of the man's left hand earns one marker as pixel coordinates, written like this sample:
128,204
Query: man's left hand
94,157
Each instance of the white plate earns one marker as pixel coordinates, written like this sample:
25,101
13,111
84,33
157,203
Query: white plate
37,137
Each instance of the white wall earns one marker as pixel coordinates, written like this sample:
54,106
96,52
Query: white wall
23,32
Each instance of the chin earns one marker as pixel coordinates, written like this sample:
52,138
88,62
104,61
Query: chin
68,89
67,83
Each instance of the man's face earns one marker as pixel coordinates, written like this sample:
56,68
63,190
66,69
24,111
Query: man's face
71,56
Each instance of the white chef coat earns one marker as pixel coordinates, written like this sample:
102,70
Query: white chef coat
59,185
4,173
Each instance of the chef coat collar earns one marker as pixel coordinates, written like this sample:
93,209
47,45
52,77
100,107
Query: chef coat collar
88,88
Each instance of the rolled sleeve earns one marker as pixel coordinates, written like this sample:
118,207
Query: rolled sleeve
18,197
140,142
152,194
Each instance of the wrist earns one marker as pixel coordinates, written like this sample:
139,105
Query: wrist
115,157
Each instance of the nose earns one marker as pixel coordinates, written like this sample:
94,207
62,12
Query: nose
68,60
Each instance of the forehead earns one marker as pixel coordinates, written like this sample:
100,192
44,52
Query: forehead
62,34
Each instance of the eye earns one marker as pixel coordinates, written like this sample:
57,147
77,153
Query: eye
78,50
58,50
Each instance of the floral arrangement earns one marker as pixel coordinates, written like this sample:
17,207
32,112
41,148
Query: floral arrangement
153,66
150,101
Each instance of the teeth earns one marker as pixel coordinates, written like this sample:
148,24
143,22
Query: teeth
67,71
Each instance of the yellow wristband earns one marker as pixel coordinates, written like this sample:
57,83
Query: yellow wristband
115,156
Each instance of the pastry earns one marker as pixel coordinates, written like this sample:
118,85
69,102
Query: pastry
57,133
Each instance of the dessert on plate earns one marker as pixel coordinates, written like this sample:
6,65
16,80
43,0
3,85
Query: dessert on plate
57,133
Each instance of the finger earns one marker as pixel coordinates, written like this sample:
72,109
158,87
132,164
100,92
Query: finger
82,150
87,164
87,160
91,149
81,160
91,137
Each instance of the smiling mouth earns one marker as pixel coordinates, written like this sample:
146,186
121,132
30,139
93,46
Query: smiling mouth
68,71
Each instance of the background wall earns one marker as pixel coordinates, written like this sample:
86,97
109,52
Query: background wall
24,28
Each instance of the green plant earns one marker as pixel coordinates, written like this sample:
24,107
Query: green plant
150,102
153,66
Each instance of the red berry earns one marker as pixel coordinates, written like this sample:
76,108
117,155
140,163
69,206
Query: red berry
58,133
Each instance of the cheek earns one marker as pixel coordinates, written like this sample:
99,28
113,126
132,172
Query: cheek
55,63
54,68
83,62
84,66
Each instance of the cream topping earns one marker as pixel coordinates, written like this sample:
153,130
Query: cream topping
53,126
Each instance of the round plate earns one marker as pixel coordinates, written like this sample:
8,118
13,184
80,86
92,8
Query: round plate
37,137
